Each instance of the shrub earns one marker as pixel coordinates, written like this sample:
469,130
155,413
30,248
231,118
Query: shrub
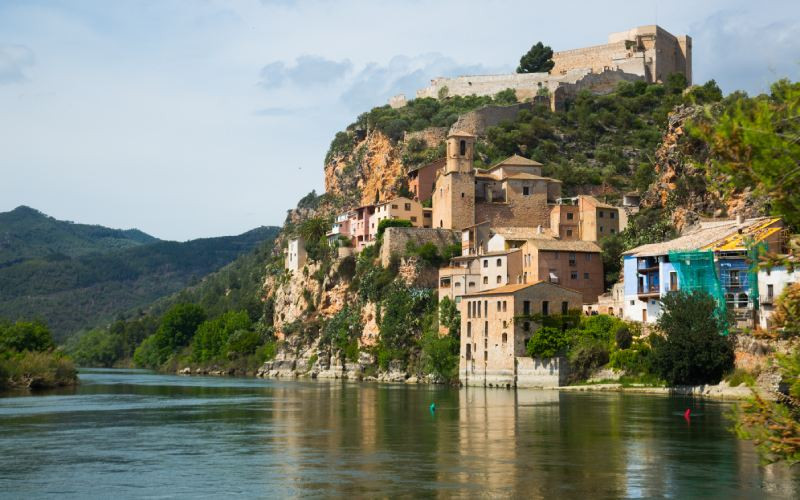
242,343
624,337
440,355
587,355
693,350
634,361
548,342
25,336
386,223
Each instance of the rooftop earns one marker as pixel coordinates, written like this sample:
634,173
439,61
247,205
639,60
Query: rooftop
565,246
509,289
713,235
515,161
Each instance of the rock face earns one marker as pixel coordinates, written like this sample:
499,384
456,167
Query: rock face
681,165
372,171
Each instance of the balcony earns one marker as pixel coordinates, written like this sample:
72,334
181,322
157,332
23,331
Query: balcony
649,291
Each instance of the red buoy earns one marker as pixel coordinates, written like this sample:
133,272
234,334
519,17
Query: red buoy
687,414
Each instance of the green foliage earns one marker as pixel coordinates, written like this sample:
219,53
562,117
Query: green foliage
97,348
587,355
635,360
650,225
450,318
755,144
371,279
176,331
440,355
21,336
624,337
692,350
739,377
36,370
539,59
313,231
612,258
548,342
342,332
382,225
506,97
404,310
222,336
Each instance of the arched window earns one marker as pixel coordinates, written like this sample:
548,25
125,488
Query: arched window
462,148
742,300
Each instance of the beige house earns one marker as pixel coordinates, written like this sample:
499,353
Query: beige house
477,273
296,254
397,208
497,324
585,218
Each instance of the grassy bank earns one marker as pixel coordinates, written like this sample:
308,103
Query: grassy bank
36,370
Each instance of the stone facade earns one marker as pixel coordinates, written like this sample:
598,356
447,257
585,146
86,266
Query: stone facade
577,265
496,326
395,240
586,218
422,179
541,373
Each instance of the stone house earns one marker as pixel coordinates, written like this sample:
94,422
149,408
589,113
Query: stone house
497,324
585,218
296,254
477,273
613,301
512,193
577,265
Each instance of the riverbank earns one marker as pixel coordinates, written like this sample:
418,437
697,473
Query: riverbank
36,371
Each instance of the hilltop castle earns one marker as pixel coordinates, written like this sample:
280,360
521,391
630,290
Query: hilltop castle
648,53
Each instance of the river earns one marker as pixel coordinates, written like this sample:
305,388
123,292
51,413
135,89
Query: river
129,433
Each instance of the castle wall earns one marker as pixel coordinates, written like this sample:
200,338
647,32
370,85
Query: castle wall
395,240
531,211
478,121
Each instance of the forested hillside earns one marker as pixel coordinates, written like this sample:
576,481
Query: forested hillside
73,276
27,233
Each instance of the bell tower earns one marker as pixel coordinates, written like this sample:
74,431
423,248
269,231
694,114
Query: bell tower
454,189
460,150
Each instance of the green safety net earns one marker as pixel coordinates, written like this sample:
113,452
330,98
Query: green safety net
698,272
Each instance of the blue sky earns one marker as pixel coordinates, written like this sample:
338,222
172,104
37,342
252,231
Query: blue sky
201,118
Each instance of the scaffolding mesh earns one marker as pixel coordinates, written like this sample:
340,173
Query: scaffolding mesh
697,272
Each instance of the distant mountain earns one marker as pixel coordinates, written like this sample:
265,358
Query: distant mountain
75,276
26,233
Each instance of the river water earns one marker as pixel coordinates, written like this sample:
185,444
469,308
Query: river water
138,434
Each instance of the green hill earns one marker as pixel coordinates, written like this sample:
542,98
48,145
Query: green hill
26,233
75,276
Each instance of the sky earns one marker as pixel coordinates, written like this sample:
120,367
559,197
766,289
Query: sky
190,119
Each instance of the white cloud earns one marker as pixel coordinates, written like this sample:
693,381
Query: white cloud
14,60
307,71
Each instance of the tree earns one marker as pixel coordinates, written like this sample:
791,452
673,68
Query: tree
612,258
386,223
21,336
692,350
787,311
537,60
548,342
755,144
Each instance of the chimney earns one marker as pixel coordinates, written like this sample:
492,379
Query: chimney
740,219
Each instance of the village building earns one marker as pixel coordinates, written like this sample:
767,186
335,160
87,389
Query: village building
360,226
714,257
613,301
577,265
296,254
422,178
771,283
340,229
496,326
512,193
397,208
584,217
477,273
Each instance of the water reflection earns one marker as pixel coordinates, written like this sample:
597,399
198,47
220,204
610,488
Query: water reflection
150,435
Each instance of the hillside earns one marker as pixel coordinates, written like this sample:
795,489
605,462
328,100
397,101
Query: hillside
74,292
27,233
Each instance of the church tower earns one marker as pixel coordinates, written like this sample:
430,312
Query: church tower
454,190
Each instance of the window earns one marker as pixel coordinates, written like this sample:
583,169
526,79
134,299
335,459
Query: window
486,344
573,275
505,338
486,329
499,279
742,300
485,355
394,205
564,307
569,232
633,302
769,271
469,329
673,281
462,147
413,218
586,276
613,215
545,308
485,280
525,190
471,283
600,213
458,284
407,207
462,195
770,291
526,307
486,310
555,255
734,278
499,262
499,306
601,229
526,326
588,257
485,262
570,215
613,230
504,306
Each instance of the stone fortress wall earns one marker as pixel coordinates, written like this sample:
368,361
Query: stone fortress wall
646,52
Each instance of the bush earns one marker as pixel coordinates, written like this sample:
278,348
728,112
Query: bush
587,355
25,336
624,337
386,223
634,361
242,343
97,348
548,342
37,370
693,350
440,355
